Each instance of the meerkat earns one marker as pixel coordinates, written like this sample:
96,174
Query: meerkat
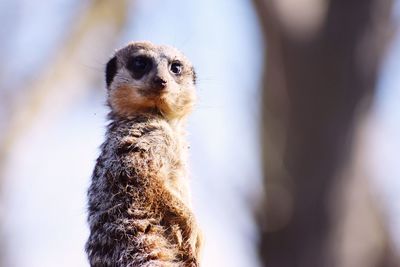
139,210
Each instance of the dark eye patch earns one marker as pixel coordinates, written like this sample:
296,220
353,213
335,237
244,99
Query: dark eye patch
111,70
139,66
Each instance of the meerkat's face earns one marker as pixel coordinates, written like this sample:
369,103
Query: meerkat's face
143,77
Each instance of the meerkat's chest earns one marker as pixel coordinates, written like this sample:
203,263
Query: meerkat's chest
177,180
157,148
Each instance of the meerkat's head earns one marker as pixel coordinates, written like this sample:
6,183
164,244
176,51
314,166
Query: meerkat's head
143,77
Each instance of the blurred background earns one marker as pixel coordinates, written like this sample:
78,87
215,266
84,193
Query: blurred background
295,140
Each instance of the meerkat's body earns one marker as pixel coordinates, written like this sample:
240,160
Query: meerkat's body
139,204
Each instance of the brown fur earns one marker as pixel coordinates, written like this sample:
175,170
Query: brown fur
139,205
127,101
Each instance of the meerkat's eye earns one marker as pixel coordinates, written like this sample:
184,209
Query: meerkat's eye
176,68
139,66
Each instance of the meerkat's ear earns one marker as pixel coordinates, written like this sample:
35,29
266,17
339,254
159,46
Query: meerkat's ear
111,70
194,76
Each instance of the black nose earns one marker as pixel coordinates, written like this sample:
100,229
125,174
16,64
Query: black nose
159,82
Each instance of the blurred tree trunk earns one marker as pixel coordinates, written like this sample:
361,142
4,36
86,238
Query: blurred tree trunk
321,63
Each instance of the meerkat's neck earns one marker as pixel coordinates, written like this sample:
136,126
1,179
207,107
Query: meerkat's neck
177,124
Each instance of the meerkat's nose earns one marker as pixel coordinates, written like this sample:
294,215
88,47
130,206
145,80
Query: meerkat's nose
159,82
